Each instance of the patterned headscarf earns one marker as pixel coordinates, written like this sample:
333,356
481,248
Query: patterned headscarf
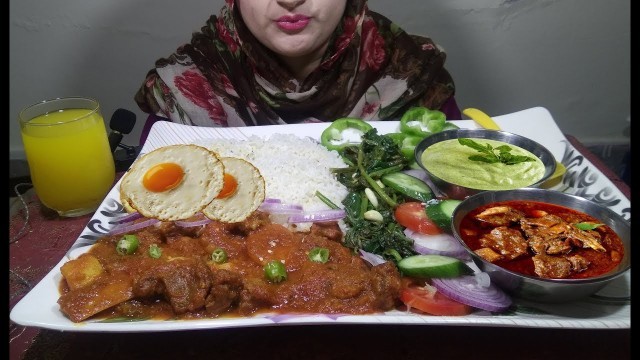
372,70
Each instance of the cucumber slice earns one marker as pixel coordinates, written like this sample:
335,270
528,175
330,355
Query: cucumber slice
408,185
441,213
433,266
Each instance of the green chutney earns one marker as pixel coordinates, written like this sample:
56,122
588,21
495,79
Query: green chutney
449,161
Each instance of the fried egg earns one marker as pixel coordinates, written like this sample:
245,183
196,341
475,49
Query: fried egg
243,192
173,182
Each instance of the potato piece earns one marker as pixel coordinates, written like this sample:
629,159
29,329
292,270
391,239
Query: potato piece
81,271
107,291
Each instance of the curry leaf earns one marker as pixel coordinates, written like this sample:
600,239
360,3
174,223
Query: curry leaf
587,225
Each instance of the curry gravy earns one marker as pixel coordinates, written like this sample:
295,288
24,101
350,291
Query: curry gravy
185,284
541,240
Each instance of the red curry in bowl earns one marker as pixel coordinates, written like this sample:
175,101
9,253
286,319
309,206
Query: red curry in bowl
541,239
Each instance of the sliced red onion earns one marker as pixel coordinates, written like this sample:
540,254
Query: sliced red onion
318,216
272,201
186,224
371,258
474,291
129,217
280,208
130,227
440,244
417,173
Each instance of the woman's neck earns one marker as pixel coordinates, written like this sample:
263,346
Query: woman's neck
302,66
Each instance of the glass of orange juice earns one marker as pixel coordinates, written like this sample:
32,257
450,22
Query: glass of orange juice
67,148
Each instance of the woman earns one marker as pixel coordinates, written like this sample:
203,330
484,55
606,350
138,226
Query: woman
264,62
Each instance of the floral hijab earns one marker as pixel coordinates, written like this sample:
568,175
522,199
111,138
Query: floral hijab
372,70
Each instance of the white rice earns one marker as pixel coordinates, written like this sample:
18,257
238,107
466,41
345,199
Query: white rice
293,168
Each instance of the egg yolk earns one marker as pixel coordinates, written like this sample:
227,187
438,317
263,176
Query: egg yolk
163,177
229,187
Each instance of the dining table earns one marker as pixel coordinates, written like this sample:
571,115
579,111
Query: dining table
47,238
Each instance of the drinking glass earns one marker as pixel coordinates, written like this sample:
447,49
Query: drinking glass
67,148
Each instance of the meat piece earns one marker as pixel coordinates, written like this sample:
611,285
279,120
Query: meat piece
167,231
545,221
488,254
551,267
587,238
550,234
540,245
506,241
250,224
330,230
184,282
546,234
225,291
386,285
256,294
578,263
500,216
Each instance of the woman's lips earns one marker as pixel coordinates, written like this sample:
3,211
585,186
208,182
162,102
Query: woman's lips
292,22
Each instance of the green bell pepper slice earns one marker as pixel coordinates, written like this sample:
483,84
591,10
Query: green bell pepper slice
406,143
433,120
408,146
337,127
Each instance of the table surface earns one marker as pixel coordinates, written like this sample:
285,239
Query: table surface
48,237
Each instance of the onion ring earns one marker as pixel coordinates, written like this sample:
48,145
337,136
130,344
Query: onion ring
373,259
186,224
129,227
280,208
441,244
318,216
129,217
474,292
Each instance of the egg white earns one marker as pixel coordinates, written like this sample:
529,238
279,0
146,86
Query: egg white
247,198
202,182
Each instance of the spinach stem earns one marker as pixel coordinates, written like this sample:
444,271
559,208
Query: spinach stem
374,185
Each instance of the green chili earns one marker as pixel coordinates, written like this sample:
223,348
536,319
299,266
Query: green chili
319,254
127,245
155,251
337,127
275,271
219,256
433,120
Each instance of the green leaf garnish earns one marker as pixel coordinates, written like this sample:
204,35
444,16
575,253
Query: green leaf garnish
492,155
587,225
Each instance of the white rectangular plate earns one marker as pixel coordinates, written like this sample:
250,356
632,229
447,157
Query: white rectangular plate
609,309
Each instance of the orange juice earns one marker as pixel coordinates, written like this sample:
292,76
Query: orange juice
71,164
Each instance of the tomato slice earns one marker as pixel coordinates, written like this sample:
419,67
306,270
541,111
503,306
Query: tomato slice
432,302
413,216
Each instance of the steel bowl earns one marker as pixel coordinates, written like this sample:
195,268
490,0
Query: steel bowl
542,289
456,191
